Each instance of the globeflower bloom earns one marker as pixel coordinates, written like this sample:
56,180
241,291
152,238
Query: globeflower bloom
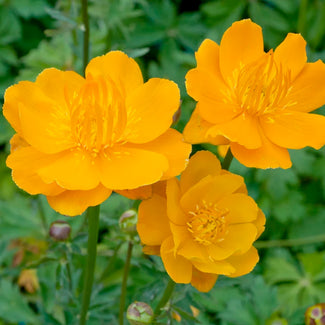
257,102
80,138
202,225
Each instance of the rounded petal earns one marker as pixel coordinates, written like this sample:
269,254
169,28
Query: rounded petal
291,54
241,208
25,163
216,267
177,267
207,57
124,167
196,131
210,189
243,263
192,250
307,92
153,225
203,282
243,129
181,235
150,109
295,130
268,156
140,193
72,203
172,146
241,44
260,223
118,67
201,164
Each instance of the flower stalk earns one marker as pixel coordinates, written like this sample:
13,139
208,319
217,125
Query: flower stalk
93,226
166,297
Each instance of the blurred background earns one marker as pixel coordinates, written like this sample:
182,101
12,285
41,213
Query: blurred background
40,277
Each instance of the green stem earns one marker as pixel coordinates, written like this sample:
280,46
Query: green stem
124,282
85,20
302,16
42,213
93,226
290,242
227,160
166,297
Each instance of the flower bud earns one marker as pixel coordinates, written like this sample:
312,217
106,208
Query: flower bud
60,230
277,321
28,280
315,315
139,313
128,222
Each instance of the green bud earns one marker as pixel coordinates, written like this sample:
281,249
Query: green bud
139,313
128,222
59,230
276,320
315,315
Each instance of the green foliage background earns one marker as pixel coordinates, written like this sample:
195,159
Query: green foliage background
163,36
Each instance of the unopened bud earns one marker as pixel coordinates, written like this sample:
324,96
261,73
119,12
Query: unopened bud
139,313
315,315
277,321
60,230
128,222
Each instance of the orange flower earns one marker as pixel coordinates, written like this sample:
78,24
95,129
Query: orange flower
203,226
255,101
80,138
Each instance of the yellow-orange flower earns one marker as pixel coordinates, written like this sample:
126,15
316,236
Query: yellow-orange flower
203,225
257,102
80,138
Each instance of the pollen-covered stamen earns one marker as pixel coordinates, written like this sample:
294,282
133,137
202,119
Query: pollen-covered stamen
208,224
262,85
98,115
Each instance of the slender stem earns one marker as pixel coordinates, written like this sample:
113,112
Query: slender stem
302,16
166,297
227,160
93,226
85,20
124,283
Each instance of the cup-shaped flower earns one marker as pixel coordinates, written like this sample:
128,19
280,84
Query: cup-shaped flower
257,102
202,225
80,138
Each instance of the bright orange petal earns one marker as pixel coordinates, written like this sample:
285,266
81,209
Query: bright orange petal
260,223
172,146
153,225
201,164
140,193
210,189
72,170
241,207
192,250
244,263
241,44
196,131
216,267
72,203
291,54
177,267
118,67
308,90
128,168
295,130
203,282
242,129
180,235
150,110
207,57
268,156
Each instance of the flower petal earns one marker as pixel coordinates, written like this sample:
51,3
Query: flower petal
241,208
241,44
308,89
291,54
150,109
260,223
72,203
140,193
243,263
196,131
243,129
201,164
177,267
268,156
153,224
124,167
295,130
118,67
203,282
192,250
216,267
207,57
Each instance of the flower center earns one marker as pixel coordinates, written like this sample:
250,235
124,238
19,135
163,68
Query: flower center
262,85
98,116
208,224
